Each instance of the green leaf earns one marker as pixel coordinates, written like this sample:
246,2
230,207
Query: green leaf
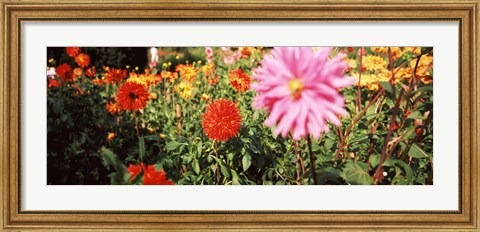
58,106
387,86
141,148
356,173
328,143
235,178
426,50
246,161
374,159
417,152
253,148
196,166
400,179
111,161
173,145
425,88
152,137
224,170
327,174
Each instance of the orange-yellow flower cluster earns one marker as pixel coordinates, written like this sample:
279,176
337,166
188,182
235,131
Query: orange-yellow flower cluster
375,68
239,80
188,72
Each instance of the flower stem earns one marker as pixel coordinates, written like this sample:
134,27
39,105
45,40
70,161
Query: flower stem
217,171
359,93
297,161
312,160
136,124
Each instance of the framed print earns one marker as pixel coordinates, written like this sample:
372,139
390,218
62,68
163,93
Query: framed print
307,115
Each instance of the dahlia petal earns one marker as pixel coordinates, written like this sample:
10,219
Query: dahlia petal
300,124
287,121
343,82
278,110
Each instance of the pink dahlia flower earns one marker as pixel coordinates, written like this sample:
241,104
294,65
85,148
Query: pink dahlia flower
299,87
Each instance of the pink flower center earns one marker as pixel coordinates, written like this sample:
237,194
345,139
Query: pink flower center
296,88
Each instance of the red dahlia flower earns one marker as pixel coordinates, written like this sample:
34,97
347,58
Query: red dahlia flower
222,120
132,96
72,51
65,72
150,175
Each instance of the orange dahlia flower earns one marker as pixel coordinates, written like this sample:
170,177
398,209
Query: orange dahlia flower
78,72
239,80
82,59
222,120
132,96
113,108
187,72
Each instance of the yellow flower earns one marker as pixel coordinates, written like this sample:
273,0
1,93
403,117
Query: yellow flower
208,69
371,81
185,89
187,72
372,63
162,136
382,50
423,69
352,63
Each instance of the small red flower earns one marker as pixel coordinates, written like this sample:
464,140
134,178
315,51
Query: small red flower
72,51
65,72
115,75
239,80
97,81
132,96
82,59
53,83
150,175
222,120
90,72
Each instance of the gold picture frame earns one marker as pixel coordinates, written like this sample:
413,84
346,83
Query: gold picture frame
14,12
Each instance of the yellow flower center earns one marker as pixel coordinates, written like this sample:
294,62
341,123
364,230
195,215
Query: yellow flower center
296,88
